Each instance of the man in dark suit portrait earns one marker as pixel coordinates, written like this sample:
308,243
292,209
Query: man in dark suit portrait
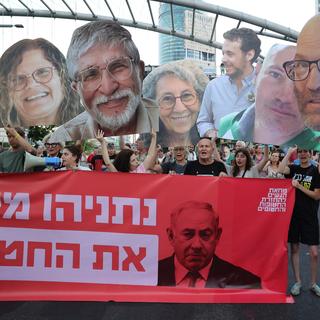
194,233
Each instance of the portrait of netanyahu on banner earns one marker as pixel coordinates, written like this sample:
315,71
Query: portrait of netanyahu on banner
194,234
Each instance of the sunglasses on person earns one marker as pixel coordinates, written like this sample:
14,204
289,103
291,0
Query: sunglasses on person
52,145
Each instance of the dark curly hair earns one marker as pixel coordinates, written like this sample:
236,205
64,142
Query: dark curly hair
75,151
122,160
235,168
249,40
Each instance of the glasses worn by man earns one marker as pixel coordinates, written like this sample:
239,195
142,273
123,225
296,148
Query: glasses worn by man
107,75
304,70
299,70
119,69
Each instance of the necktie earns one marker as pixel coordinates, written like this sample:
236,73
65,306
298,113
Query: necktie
193,276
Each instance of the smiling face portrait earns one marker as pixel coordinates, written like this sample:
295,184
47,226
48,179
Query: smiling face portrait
110,101
37,89
236,61
178,90
277,116
177,114
240,49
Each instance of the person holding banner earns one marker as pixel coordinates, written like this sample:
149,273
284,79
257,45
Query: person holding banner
194,234
304,225
106,71
35,87
178,88
234,91
12,160
206,165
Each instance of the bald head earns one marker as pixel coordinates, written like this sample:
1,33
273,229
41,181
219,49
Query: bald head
308,90
308,44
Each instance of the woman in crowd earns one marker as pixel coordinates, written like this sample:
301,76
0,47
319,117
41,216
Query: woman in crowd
71,156
178,88
126,160
35,87
271,169
243,167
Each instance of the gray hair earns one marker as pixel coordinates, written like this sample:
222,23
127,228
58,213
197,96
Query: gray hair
185,70
269,57
103,32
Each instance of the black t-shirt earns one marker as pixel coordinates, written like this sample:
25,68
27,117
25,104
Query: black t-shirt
173,166
195,168
309,177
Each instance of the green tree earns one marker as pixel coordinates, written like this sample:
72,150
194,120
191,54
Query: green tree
37,133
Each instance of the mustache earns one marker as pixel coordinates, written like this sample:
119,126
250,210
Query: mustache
117,95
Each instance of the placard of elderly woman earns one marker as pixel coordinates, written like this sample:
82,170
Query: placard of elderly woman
35,87
178,88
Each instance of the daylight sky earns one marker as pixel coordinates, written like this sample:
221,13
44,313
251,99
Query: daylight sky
285,12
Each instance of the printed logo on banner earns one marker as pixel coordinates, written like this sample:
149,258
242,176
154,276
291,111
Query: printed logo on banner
78,256
275,201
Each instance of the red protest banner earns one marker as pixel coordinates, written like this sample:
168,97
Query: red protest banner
99,237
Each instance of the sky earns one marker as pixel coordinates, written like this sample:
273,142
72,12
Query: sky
284,12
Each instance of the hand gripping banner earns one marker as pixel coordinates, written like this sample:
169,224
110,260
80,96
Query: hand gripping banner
140,237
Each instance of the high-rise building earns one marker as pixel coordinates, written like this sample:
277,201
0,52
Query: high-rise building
173,48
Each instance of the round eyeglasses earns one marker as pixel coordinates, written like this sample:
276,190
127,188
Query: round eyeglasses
299,70
41,75
168,101
119,69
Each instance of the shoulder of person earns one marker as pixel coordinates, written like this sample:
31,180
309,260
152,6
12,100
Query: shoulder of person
149,103
228,121
72,129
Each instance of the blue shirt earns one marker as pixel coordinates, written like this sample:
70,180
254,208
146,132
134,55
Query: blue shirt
221,97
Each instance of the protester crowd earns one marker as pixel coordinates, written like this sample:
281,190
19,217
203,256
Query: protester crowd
286,87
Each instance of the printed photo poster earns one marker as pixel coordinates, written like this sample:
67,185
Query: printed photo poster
285,98
93,236
35,85
178,89
277,116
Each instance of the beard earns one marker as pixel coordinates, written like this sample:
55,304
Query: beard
311,116
117,121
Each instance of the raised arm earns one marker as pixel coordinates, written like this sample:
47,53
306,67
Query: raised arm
265,158
151,157
22,141
105,154
283,166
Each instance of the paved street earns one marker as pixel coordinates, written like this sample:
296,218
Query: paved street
307,306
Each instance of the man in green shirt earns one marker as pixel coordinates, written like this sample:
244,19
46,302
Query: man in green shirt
12,160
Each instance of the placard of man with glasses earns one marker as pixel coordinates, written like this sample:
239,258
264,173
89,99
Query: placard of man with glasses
107,72
304,70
